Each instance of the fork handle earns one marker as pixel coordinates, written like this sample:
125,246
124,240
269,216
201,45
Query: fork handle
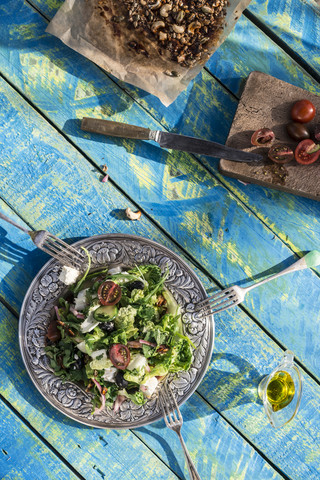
192,469
310,260
7,219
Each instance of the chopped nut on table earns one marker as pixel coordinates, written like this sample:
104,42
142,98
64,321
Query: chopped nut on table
133,215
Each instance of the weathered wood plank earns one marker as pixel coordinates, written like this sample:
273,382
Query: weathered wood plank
296,23
94,453
254,50
24,456
174,189
230,385
248,352
17,250
73,189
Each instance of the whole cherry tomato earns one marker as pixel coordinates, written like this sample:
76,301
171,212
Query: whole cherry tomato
307,152
303,111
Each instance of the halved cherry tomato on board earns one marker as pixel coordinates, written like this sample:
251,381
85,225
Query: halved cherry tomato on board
119,355
109,293
263,137
307,152
303,111
280,153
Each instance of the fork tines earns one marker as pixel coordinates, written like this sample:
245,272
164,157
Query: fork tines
217,303
64,253
171,412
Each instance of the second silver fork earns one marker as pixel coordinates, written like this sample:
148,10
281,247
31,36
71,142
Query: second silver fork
54,246
173,419
232,296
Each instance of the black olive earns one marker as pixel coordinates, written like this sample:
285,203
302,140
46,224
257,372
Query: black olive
107,327
136,285
120,381
132,390
69,297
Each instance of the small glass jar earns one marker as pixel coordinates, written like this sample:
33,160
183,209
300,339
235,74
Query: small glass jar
281,390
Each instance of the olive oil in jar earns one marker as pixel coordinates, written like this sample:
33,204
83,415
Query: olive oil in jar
280,390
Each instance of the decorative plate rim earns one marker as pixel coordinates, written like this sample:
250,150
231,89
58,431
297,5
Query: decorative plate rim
69,398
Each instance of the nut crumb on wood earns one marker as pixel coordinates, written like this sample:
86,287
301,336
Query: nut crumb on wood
133,215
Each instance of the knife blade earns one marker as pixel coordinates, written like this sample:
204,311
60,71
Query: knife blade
172,141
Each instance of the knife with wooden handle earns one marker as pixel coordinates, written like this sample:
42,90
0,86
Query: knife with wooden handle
168,140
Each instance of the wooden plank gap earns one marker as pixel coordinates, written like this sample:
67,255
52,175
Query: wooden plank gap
245,438
42,439
36,9
227,89
277,342
9,307
156,454
278,41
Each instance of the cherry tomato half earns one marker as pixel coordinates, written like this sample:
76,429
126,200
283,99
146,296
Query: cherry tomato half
280,153
303,111
109,293
119,355
263,137
307,152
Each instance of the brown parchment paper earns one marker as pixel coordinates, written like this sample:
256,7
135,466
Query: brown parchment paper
79,25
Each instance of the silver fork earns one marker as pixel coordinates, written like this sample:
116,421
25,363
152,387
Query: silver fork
64,253
234,295
173,419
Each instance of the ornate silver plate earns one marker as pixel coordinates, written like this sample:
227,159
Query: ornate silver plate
37,310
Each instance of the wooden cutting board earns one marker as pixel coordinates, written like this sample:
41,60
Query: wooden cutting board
266,102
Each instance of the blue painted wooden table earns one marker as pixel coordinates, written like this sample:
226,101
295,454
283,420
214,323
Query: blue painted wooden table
50,173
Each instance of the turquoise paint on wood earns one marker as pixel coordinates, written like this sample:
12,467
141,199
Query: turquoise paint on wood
17,250
254,50
229,386
296,23
242,248
112,450
252,345
233,316
95,196
93,453
206,204
24,456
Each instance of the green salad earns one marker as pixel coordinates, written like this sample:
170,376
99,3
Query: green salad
118,333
